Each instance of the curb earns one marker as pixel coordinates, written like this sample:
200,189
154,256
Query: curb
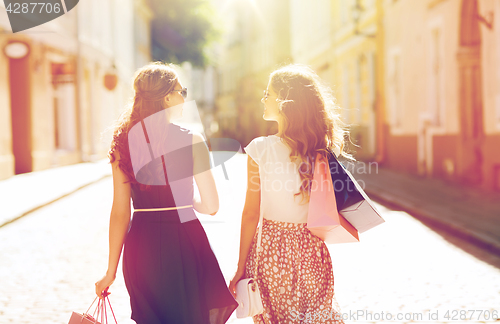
29,211
469,235
27,192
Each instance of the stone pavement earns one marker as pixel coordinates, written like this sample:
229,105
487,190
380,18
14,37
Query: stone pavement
473,214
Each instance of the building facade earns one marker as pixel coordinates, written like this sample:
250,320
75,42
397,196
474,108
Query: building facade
57,101
418,81
257,41
442,75
355,39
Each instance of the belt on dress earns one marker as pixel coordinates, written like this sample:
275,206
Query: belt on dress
165,208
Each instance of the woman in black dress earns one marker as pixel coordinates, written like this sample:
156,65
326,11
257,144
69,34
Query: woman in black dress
170,270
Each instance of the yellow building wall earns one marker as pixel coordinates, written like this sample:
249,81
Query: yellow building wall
354,68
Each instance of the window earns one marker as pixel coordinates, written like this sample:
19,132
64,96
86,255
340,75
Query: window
436,79
369,4
394,89
497,104
64,112
371,78
359,89
345,11
346,104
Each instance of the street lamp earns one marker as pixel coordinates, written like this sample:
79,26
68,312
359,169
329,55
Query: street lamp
357,10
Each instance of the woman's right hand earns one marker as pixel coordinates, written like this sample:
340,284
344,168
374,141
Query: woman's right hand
237,276
103,284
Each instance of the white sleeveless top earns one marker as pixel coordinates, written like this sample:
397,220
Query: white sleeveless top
279,180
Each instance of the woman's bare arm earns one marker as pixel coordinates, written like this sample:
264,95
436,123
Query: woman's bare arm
208,201
120,215
251,211
249,220
118,223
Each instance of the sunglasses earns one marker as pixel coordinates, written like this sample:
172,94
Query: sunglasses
266,95
183,91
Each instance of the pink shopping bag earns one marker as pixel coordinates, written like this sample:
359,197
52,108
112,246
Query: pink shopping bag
86,318
77,318
323,219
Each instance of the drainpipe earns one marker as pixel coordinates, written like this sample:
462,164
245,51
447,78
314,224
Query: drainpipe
380,90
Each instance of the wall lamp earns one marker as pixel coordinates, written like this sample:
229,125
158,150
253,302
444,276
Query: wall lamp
487,22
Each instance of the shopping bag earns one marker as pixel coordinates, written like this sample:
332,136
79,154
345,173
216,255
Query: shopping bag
77,318
86,318
352,202
323,218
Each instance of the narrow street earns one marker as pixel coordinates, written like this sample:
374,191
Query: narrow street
409,88
51,258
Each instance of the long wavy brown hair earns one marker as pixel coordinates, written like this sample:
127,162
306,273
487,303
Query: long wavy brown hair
151,84
311,119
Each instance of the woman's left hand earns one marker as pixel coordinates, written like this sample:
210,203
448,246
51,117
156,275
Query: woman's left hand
103,284
232,285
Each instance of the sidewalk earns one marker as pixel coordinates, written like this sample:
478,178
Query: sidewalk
470,213
23,193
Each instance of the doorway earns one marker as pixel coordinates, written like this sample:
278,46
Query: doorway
19,79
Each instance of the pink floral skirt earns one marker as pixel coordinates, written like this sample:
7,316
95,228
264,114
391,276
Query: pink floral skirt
294,275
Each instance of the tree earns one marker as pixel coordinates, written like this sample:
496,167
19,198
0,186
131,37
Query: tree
182,29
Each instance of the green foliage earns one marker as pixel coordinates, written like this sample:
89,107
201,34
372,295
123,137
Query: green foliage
182,30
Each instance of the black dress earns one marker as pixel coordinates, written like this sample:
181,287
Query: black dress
170,270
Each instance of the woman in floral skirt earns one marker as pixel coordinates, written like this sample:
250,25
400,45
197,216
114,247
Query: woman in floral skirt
294,271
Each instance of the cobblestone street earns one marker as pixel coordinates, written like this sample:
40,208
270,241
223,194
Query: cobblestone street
51,259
